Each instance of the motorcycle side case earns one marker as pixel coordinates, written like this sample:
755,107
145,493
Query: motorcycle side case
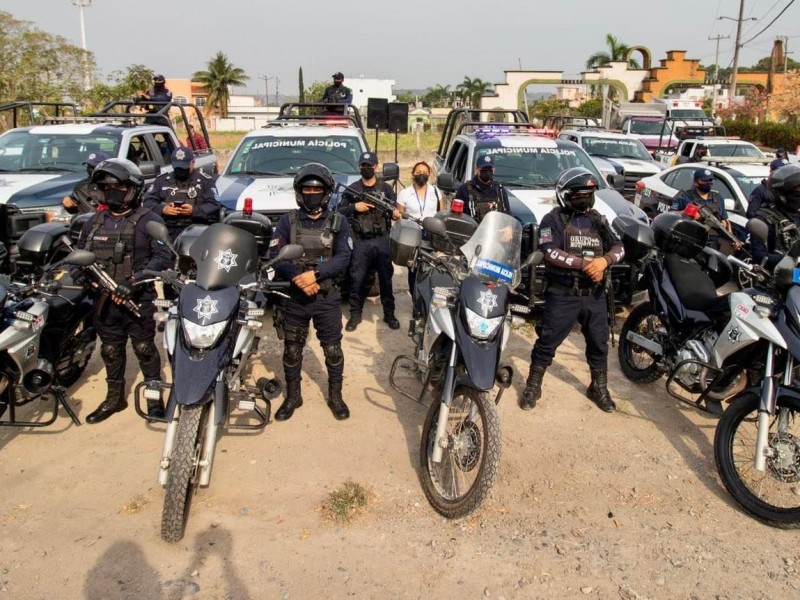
404,241
39,245
256,224
676,234
638,239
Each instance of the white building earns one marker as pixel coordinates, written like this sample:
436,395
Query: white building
370,88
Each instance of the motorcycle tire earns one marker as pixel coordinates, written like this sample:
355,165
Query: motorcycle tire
626,348
72,372
473,451
182,477
743,412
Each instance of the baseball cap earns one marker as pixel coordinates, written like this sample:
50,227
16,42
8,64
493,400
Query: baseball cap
95,158
484,162
368,158
158,78
338,75
703,174
776,164
780,152
182,157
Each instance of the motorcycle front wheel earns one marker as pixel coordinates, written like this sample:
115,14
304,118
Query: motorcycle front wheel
459,483
772,496
637,363
182,477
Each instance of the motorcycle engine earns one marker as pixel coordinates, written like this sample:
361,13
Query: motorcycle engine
693,374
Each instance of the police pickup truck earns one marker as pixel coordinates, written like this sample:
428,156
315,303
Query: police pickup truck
40,164
263,166
527,165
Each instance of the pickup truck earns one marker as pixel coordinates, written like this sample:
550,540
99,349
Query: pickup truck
528,165
40,164
653,131
719,149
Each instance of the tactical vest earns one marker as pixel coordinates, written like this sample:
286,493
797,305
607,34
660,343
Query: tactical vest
785,232
187,192
580,242
482,203
114,248
372,223
317,244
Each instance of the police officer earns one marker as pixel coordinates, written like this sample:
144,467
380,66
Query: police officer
482,193
325,236
371,248
699,153
83,198
579,246
782,218
157,93
338,93
185,196
118,238
702,196
760,195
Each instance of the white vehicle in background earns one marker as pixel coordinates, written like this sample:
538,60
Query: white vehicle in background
720,149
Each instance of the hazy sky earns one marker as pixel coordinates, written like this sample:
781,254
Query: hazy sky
418,43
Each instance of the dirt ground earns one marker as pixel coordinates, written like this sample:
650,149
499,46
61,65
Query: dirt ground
586,504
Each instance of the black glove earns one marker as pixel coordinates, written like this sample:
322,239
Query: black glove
124,291
78,277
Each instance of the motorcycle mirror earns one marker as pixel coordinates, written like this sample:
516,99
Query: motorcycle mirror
434,226
534,259
158,231
289,252
391,171
79,258
446,182
758,229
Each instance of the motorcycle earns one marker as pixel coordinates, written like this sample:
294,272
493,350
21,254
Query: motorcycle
47,336
702,341
757,444
210,335
461,325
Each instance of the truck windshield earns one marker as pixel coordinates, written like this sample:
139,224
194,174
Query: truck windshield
25,151
615,148
738,150
688,113
649,128
274,155
533,166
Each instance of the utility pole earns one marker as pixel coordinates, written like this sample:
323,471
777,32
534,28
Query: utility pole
277,83
732,89
716,68
266,89
81,4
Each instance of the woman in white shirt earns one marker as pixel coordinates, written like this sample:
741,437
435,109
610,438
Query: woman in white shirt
419,200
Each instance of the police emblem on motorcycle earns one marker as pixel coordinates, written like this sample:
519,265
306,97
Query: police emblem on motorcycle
487,300
206,308
226,260
734,334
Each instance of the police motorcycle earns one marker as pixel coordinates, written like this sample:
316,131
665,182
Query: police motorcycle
703,342
210,336
461,325
46,335
757,442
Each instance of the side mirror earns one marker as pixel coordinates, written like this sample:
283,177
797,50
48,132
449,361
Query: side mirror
617,181
445,182
534,259
758,229
434,226
80,258
730,205
289,252
391,171
158,231
149,169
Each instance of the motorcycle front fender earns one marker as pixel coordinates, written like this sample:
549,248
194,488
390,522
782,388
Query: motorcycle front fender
193,378
480,360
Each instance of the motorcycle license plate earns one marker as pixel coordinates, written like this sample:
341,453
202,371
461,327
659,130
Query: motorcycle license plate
796,275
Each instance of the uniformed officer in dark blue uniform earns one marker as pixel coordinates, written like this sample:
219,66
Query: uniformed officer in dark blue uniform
782,217
325,236
338,93
372,249
702,196
579,246
118,238
482,194
760,195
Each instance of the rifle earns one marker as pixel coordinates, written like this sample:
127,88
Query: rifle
110,286
710,220
376,200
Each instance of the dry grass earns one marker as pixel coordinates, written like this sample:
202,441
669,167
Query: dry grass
346,502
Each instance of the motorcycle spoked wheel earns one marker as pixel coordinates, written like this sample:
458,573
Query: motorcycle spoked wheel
461,481
636,363
183,467
70,374
773,496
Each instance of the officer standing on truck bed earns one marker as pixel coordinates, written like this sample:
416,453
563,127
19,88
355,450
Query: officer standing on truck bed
371,248
325,237
579,246
482,194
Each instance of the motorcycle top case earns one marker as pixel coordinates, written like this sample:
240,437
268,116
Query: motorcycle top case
460,228
638,239
39,244
255,224
675,234
224,255
404,240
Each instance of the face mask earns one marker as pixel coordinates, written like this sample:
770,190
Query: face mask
182,174
115,199
420,179
704,187
337,83
367,172
486,176
312,203
581,205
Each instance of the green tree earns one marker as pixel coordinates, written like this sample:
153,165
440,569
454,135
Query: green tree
471,91
439,96
217,80
404,96
591,108
122,85
763,65
315,91
302,96
616,51
37,65
549,106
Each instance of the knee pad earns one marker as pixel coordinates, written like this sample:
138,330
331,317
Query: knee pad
292,354
145,351
112,353
333,355
295,334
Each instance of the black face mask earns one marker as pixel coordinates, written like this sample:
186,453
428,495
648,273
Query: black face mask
312,203
182,174
367,172
420,179
115,199
486,176
582,205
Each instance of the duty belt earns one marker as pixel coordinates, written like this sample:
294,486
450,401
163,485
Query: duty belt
564,290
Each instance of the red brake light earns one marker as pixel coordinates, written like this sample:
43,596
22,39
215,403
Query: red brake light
457,206
248,207
691,211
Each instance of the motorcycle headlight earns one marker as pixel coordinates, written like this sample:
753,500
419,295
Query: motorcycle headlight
480,327
203,336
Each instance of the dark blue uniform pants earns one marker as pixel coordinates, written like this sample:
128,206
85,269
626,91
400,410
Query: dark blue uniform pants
366,254
326,314
114,325
561,312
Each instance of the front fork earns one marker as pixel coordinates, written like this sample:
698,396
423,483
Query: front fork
441,441
767,407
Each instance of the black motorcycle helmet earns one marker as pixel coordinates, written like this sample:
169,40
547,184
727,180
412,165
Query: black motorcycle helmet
313,175
114,172
784,183
575,189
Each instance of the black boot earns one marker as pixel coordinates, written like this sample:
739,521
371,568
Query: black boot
533,387
115,402
391,320
294,400
335,402
598,391
354,322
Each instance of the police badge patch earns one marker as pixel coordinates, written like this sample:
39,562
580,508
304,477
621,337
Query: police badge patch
545,235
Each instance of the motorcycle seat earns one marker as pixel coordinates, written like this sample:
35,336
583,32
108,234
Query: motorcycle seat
694,287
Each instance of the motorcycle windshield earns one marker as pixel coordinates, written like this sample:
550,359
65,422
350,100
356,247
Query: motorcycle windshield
493,250
224,255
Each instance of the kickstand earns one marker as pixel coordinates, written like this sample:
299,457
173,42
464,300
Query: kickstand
61,395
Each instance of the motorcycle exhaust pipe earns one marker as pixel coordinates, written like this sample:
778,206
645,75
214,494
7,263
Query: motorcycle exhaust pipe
169,443
39,379
645,343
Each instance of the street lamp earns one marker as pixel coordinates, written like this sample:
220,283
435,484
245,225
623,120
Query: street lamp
737,45
81,4
266,79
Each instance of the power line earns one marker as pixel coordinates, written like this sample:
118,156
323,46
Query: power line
785,8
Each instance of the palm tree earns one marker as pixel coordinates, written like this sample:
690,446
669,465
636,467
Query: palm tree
219,75
616,51
471,91
439,95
